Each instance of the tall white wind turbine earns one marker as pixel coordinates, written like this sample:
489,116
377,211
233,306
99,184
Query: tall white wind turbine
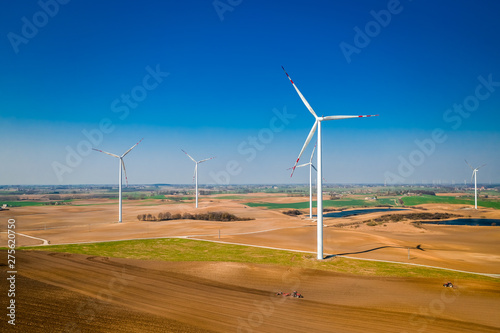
195,176
317,124
311,166
121,165
474,175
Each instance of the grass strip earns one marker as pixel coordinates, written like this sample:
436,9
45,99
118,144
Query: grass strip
179,249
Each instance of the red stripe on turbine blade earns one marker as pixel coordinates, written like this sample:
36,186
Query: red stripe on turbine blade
289,78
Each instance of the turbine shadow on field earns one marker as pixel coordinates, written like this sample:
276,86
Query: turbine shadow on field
418,247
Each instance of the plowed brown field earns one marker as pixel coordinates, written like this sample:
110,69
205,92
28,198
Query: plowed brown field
77,293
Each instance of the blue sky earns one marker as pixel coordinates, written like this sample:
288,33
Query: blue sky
207,78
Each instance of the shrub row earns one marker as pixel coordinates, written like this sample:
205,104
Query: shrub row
210,216
413,216
293,212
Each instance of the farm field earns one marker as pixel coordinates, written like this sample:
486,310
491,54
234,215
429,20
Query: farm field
183,269
425,199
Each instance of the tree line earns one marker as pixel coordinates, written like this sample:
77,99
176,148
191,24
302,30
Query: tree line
209,216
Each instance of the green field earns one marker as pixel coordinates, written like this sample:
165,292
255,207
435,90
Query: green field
408,201
157,196
30,203
326,203
425,199
176,249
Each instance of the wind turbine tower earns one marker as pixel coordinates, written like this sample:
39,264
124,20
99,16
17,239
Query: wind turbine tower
311,166
195,176
474,175
120,165
317,124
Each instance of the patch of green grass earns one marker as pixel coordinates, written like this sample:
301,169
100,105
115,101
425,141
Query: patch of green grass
425,199
157,196
97,204
178,249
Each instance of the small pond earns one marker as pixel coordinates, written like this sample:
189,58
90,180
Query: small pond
479,222
360,212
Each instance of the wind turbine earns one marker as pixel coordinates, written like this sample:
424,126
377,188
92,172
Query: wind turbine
317,124
195,176
474,175
311,166
121,165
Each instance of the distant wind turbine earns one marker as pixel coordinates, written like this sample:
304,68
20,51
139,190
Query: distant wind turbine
121,165
474,175
311,166
195,176
317,124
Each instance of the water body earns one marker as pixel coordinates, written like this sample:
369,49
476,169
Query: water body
360,212
479,222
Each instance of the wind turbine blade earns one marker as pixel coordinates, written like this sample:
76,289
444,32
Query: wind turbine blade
472,177
194,175
206,159
347,117
124,171
302,165
317,171
469,164
301,96
480,167
312,154
309,137
128,151
189,156
105,152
